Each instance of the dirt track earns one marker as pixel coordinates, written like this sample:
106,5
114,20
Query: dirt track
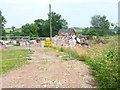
47,70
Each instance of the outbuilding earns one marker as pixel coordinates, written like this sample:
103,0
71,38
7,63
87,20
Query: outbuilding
67,32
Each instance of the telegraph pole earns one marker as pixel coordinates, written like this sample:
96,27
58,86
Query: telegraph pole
50,22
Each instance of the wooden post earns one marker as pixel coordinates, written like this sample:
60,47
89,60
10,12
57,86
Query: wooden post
50,22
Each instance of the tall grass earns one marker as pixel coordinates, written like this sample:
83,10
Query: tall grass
71,52
104,63
102,59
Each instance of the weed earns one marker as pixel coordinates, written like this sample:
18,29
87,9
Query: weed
103,61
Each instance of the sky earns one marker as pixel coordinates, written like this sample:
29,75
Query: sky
77,13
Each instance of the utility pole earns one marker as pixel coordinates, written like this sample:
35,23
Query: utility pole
50,22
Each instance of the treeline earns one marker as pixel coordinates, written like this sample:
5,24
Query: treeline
101,27
39,27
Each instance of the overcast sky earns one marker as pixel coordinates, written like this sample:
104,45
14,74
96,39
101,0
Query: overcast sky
77,13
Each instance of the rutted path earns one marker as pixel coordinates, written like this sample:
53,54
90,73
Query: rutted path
47,70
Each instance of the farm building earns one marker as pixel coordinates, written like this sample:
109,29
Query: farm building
65,37
68,38
66,32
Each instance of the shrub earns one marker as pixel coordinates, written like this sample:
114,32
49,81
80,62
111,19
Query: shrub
104,63
103,60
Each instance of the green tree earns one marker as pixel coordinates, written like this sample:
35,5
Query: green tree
101,24
57,23
44,25
2,23
13,28
40,23
30,30
46,28
12,31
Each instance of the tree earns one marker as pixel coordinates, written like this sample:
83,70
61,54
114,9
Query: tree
57,23
13,28
117,29
41,27
90,31
12,32
2,23
101,24
44,25
40,24
46,28
30,30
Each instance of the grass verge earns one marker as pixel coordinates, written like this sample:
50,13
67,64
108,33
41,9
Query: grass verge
12,59
104,63
70,53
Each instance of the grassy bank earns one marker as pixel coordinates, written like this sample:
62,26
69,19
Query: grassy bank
102,59
12,59
69,52
104,63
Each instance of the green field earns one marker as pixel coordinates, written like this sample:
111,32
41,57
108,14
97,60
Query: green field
7,30
12,59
